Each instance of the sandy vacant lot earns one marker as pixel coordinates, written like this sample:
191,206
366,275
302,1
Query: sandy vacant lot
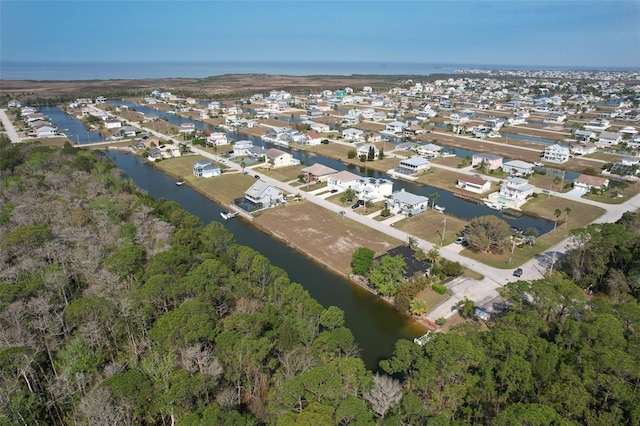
323,235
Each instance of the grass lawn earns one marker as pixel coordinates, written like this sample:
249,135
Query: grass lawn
545,206
450,161
333,150
448,180
429,226
283,174
611,195
223,189
581,215
547,182
432,297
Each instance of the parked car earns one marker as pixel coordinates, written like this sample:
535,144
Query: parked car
357,204
460,240
517,272
257,176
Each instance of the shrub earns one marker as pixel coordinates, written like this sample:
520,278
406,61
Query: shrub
352,153
325,141
452,269
439,288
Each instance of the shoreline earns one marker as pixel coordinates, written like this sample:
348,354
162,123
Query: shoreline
422,322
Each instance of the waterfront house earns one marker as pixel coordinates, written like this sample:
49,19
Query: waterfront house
127,132
406,203
205,169
516,190
518,168
490,161
373,189
588,182
112,124
456,118
556,118
45,131
317,173
414,266
311,138
217,139
186,128
584,148
242,148
474,184
413,165
556,154
598,124
584,135
352,134
429,150
609,138
320,127
365,148
279,158
395,127
259,196
341,181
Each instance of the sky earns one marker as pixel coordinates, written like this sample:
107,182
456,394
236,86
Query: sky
578,33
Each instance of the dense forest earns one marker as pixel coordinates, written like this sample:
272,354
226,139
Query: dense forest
116,308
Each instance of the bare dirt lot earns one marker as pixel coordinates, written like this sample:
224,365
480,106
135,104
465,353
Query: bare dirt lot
323,235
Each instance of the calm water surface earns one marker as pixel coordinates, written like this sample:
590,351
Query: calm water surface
375,324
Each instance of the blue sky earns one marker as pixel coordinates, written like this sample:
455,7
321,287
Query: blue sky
529,33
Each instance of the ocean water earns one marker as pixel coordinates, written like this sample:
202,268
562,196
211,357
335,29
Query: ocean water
65,71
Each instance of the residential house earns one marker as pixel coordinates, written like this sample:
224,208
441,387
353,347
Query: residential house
584,148
366,148
588,182
556,118
317,172
489,161
429,150
205,169
342,181
242,148
609,138
321,127
260,195
312,138
598,124
516,190
475,184
279,158
186,128
456,118
373,189
518,168
556,154
414,266
628,166
395,127
217,139
352,134
112,124
413,165
584,135
406,203
127,132
45,131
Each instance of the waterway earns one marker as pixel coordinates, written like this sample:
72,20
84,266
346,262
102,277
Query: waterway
73,128
454,206
376,326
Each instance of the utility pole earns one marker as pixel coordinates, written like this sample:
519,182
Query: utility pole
444,229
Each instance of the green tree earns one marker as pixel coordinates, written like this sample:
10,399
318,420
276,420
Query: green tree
362,261
371,155
567,211
352,153
388,274
557,213
489,234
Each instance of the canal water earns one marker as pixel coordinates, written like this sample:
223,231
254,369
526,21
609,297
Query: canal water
454,206
73,128
376,326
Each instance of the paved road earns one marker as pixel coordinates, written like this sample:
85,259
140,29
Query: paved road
8,127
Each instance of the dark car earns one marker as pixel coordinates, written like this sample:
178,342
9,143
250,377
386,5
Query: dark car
357,204
517,272
257,176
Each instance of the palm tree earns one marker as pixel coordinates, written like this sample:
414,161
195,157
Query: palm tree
243,165
367,205
557,214
567,211
434,197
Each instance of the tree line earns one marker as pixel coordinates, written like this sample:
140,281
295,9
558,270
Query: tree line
116,308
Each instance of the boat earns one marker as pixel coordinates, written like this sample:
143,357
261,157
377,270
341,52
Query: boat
180,183
228,215
438,208
494,206
538,164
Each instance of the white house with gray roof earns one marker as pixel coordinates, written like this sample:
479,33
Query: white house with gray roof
518,168
262,195
413,165
406,203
